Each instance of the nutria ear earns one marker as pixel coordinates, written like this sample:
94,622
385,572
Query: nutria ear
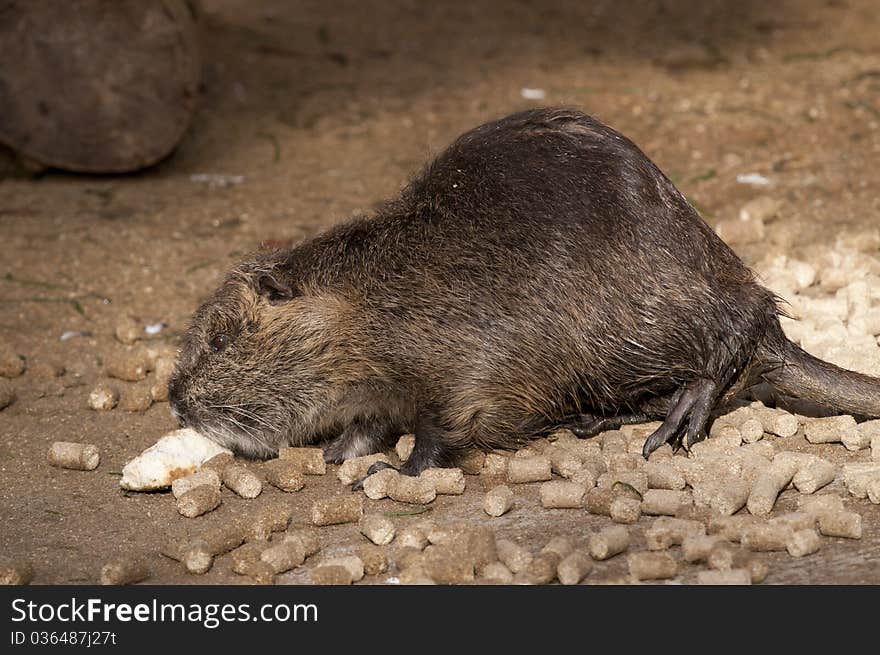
273,290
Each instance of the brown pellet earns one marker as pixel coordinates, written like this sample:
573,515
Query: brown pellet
219,462
198,500
648,565
528,469
445,567
376,486
665,502
636,481
203,476
562,494
498,501
608,542
726,577
830,429
352,470
730,497
512,555
770,483
574,568
697,548
497,572
767,537
412,537
405,446
259,571
331,575
136,398
352,563
448,481
560,545
128,365
242,481
197,558
284,556
598,501
272,518
541,570
377,528
284,474
663,476
841,524
246,555
408,489
415,576
75,456
625,510
803,542
495,464
732,527
15,572
795,520
338,509
814,474
308,537
374,559
564,462
11,365
124,571
103,397
309,460
667,531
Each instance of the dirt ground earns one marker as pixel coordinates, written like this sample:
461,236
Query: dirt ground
325,109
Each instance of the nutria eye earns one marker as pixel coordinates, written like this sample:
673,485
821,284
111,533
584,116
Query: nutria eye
219,342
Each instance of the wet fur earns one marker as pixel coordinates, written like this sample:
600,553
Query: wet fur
539,270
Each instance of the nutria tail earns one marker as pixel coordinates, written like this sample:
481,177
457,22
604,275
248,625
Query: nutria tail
795,372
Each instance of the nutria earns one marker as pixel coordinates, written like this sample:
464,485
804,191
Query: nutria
541,272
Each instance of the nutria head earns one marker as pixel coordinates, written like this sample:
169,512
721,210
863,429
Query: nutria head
260,363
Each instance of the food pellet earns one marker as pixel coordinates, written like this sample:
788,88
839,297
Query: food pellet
665,502
351,563
284,474
377,528
727,577
562,494
494,464
272,518
830,429
636,481
338,509
496,571
128,330
751,430
125,571
131,366
608,542
309,460
767,537
770,484
541,570
75,456
197,558
574,568
448,482
803,542
376,486
415,576
11,365
258,571
816,505
841,524
103,397
405,446
246,554
136,398
667,531
407,489
498,501
795,520
663,476
198,500
407,557
412,537
857,476
203,476
528,469
284,556
721,557
814,475
731,497
732,527
354,469
648,565
560,545
444,567
696,548
307,537
564,462
625,510
15,572
219,462
513,556
242,481
331,575
471,463
855,440
374,559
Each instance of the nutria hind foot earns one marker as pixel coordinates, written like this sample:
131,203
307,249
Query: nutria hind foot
588,425
693,403
363,436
